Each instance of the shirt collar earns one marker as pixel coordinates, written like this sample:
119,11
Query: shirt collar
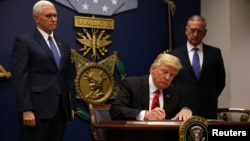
44,34
152,87
190,47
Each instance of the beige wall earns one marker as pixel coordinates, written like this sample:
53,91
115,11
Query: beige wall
229,29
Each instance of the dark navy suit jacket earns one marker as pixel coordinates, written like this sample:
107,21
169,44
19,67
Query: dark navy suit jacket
201,95
134,97
36,78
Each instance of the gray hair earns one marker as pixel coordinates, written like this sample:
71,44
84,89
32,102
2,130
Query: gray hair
197,18
37,8
167,59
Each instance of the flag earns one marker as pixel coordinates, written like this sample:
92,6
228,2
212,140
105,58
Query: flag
100,7
168,43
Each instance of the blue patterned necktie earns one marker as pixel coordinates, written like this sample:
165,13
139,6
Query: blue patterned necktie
196,63
54,51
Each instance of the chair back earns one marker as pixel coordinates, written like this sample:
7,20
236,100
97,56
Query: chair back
233,114
98,112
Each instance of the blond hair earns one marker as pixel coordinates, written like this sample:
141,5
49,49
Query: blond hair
167,59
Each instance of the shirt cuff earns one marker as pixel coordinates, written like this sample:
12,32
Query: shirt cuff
141,115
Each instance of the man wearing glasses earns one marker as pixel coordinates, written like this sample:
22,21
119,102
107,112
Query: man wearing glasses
202,78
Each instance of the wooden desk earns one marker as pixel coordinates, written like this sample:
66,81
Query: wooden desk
159,130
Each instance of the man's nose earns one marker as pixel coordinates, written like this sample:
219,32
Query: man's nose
167,75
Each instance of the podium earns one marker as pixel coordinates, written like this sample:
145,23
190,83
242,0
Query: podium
160,130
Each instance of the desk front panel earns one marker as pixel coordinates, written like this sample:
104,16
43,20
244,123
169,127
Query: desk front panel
160,130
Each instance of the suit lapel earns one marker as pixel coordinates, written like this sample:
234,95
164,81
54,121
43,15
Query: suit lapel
166,96
186,62
44,45
145,92
60,47
205,54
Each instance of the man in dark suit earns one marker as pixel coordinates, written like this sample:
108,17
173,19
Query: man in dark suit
200,93
135,99
44,89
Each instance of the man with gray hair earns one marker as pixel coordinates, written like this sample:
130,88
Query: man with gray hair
43,78
136,99
203,76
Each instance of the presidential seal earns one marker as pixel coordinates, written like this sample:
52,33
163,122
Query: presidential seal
194,129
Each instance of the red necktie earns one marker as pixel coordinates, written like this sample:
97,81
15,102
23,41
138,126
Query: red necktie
155,102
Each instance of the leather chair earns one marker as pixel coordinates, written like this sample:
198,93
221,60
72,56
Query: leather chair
98,112
229,114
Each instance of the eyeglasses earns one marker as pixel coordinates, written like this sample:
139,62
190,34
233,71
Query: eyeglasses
193,30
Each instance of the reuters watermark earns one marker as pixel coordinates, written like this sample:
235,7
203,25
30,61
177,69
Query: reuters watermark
241,132
228,133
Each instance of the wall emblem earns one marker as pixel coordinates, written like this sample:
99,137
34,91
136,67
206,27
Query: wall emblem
4,73
95,81
95,72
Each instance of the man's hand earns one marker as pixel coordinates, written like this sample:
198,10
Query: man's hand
29,118
184,114
155,114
